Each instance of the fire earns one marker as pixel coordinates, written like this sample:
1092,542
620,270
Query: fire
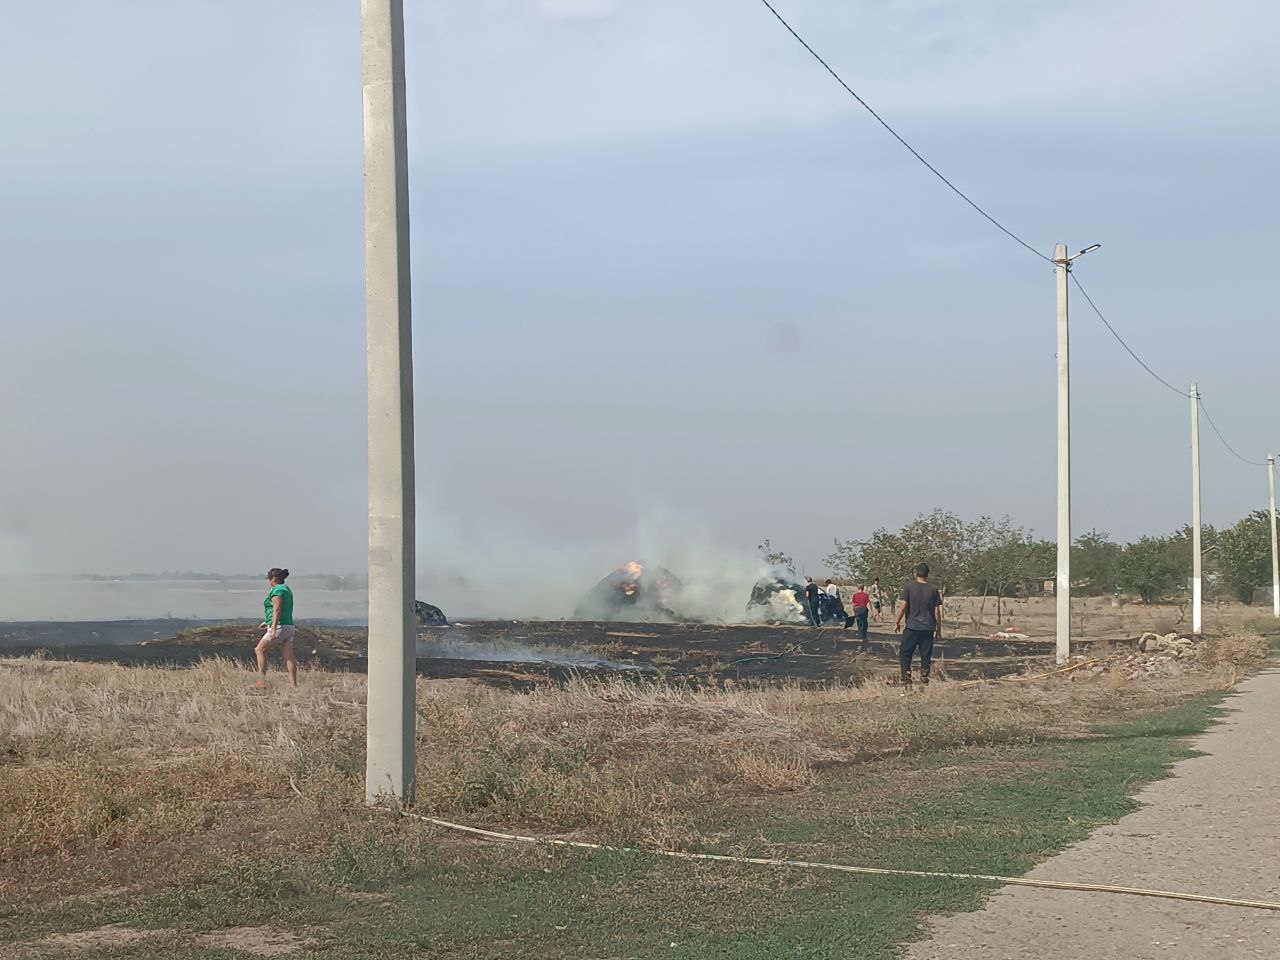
635,590
632,571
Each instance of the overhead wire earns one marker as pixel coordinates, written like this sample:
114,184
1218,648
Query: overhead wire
1000,226
897,136
1142,363
1120,340
1235,453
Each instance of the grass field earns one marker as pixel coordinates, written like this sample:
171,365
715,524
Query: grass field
147,812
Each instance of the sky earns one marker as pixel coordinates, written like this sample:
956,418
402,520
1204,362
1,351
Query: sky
669,280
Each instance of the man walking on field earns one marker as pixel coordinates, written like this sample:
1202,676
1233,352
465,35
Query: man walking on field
921,603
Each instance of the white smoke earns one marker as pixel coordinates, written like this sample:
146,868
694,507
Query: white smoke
488,573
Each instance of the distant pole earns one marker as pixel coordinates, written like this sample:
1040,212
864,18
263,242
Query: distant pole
390,720
1197,623
1275,560
1062,586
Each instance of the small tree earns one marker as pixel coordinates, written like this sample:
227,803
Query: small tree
1095,563
1244,555
1004,555
845,558
1152,567
776,558
940,539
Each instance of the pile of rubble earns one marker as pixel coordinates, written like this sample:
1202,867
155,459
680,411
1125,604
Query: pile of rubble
1159,654
1156,653
1171,643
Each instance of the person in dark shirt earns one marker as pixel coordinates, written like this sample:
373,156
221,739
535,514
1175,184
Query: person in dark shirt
811,602
920,605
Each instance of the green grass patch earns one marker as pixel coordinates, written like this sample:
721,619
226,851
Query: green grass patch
390,889
1269,628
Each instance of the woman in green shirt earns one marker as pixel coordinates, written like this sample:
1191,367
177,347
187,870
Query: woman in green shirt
277,618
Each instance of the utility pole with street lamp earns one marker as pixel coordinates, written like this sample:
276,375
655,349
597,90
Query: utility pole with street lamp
1062,582
1196,558
1275,559
391,712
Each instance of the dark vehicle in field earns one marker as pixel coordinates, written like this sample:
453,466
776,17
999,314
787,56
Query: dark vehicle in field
429,615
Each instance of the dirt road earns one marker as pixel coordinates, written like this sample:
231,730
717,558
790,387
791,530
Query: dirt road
1213,828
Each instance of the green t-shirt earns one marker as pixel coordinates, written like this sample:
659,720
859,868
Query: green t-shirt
286,605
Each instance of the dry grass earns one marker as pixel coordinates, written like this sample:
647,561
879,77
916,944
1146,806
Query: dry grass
1093,617
1234,654
99,756
110,755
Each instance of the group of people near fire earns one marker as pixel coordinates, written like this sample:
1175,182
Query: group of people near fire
919,607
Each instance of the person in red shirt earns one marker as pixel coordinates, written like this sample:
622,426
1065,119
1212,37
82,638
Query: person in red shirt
861,601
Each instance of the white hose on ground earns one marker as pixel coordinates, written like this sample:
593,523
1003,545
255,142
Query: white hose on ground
844,868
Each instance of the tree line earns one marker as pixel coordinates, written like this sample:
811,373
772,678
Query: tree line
997,558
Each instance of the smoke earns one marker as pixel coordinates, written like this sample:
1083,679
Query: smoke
715,582
470,567
485,572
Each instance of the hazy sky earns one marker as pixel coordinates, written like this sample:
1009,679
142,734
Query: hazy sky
662,265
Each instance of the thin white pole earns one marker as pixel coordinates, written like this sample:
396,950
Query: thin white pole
1275,560
391,715
1197,623
1062,586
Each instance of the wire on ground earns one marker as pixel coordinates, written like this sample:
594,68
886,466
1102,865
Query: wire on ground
791,650
844,868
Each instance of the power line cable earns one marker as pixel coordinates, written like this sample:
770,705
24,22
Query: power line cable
1182,393
1120,339
915,153
1234,452
1003,229
1162,380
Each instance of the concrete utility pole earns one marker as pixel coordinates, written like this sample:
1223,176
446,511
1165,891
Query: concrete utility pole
1062,585
389,771
1275,560
1196,559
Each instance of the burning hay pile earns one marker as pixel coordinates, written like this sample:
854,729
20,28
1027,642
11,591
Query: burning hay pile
777,599
633,592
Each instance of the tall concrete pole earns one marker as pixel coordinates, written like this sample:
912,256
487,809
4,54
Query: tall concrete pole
1062,585
389,770
1197,621
1275,560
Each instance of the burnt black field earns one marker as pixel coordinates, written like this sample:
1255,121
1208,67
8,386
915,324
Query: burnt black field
523,654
